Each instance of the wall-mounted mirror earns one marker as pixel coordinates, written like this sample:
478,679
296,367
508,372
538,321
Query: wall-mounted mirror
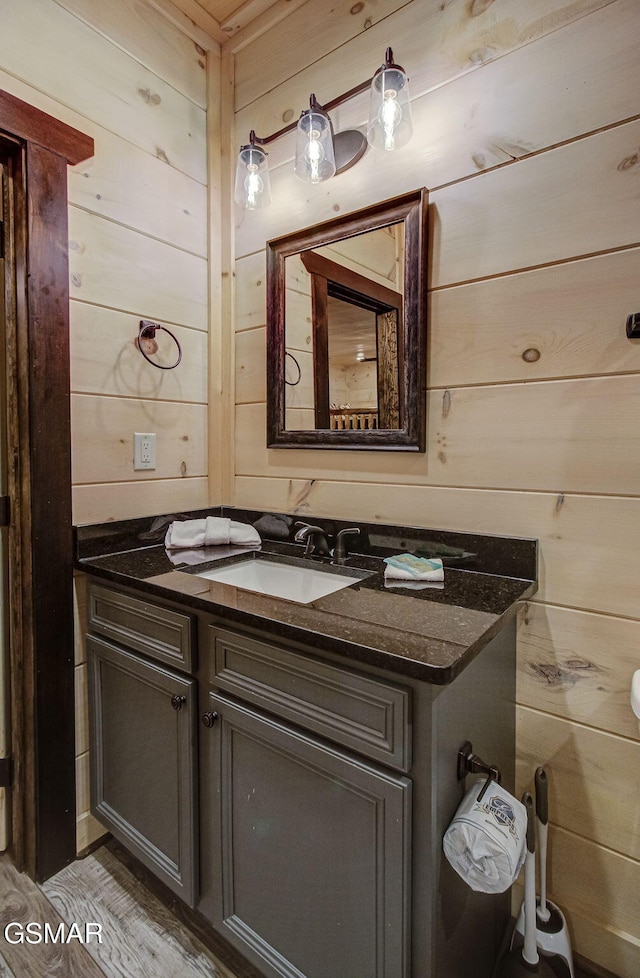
346,331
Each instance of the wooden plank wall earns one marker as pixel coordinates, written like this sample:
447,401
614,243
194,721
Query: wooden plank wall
139,245
138,238
527,131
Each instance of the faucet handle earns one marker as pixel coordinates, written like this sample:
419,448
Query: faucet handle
340,551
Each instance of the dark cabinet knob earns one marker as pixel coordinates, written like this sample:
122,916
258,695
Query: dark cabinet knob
177,701
209,719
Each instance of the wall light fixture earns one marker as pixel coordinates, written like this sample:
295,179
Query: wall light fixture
321,153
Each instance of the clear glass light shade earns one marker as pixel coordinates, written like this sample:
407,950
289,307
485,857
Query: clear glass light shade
315,156
253,187
390,125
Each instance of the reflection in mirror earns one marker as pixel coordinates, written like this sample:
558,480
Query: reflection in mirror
348,298
349,337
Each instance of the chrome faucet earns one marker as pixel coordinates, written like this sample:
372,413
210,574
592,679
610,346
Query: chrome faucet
315,539
340,552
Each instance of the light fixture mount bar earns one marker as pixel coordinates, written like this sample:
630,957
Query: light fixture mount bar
327,107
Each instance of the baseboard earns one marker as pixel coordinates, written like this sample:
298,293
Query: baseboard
588,969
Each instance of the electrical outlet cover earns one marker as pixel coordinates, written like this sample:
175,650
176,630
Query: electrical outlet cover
144,450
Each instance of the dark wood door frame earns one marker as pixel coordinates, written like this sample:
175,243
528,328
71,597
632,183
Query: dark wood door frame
38,149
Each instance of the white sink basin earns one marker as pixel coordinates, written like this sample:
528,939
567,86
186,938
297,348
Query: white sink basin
291,581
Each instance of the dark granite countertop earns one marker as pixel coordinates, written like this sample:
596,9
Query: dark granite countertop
430,634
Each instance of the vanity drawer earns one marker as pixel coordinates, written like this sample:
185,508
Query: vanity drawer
159,632
365,714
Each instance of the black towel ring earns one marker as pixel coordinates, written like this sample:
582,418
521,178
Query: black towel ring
147,331
292,383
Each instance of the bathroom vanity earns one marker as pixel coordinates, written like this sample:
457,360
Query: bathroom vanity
288,769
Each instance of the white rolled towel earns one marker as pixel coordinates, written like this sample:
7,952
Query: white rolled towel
213,531
486,840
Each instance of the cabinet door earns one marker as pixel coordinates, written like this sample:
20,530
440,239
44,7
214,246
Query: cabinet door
142,728
314,852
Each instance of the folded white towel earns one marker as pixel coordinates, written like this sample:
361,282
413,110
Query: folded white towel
486,840
408,567
212,531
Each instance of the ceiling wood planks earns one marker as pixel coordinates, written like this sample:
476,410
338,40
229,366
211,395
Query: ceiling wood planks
229,22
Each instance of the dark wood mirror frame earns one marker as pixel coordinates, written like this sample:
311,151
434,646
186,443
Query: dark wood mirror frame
410,435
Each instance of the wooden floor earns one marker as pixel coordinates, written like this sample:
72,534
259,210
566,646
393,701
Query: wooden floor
141,937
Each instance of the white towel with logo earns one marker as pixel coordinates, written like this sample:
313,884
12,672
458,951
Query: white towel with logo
486,840
213,531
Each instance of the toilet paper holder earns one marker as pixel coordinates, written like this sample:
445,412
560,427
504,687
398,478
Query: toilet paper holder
470,763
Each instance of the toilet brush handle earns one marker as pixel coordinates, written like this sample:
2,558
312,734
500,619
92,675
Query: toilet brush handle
542,814
542,797
530,948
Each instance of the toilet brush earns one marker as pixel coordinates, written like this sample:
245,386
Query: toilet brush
552,933
523,960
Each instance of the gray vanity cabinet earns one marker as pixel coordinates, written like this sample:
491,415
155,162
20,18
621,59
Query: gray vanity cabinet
143,754
313,840
306,829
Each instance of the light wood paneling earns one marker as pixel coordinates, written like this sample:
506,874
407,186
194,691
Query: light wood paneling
284,51
434,43
115,91
88,831
565,435
243,15
128,500
241,35
151,40
88,828
102,430
573,314
298,317
580,437
617,952
250,291
115,267
170,11
578,666
79,617
196,12
138,249
127,185
251,380
82,783
221,289
596,883
105,358
82,709
575,200
594,778
577,533
488,117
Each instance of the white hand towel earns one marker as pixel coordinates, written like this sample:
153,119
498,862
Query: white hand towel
185,534
210,532
244,535
217,531
486,841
